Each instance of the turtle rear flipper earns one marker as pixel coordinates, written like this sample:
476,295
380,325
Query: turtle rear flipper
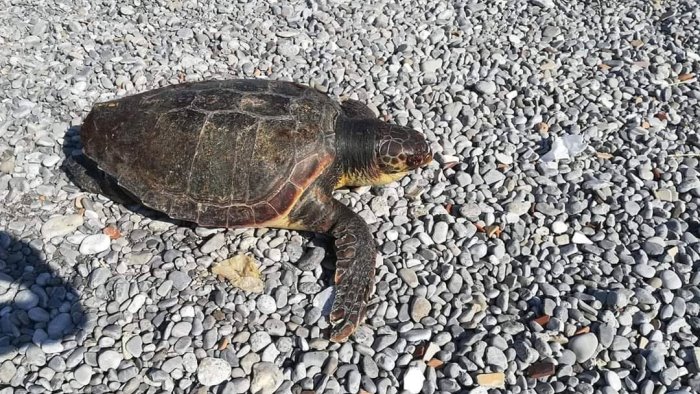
85,174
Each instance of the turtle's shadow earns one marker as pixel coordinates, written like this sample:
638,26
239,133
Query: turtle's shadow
36,305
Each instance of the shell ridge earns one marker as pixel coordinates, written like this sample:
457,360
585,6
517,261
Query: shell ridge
255,139
196,151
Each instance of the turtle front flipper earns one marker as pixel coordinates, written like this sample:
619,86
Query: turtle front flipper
356,254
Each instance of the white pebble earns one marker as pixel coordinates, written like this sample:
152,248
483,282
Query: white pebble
413,380
93,244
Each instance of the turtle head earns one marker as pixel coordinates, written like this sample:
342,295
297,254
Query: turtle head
374,152
401,149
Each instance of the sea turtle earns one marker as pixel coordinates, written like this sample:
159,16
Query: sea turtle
252,153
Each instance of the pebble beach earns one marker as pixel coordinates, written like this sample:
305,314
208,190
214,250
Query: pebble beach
550,247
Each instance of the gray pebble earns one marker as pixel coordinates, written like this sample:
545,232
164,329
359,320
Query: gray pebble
212,371
671,280
214,243
109,359
181,329
486,87
584,346
181,280
99,276
266,304
259,340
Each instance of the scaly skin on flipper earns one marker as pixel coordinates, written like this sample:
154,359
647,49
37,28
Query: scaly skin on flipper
356,253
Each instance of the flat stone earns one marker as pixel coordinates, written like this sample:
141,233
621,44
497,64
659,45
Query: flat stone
369,367
440,232
181,280
613,380
503,158
431,65
311,259
632,208
689,185
139,258
606,333
127,10
491,380
39,314
493,177
409,277
189,362
181,329
259,340
109,359
644,270
35,356
94,244
60,325
7,371
518,208
7,166
135,346
668,195
172,364
580,238
551,31
316,359
99,276
137,302
324,300
214,243
52,346
654,246
655,361
670,280
60,226
83,374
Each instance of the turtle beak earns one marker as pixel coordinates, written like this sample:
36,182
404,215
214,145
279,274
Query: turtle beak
422,155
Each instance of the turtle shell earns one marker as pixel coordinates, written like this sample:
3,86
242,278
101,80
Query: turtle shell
218,153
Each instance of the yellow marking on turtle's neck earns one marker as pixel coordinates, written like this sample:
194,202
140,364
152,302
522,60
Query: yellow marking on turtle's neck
354,180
